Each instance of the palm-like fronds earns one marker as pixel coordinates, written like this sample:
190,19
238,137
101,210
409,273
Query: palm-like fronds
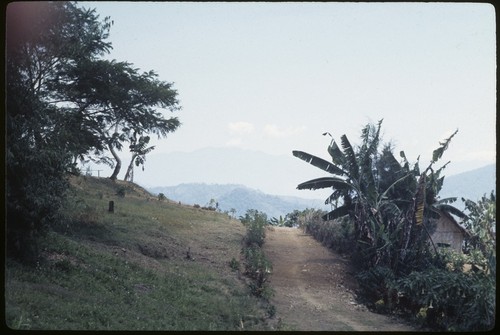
318,162
438,153
388,201
324,182
350,156
336,154
447,208
338,212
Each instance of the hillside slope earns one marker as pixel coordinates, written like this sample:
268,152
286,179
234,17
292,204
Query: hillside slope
150,265
471,184
238,197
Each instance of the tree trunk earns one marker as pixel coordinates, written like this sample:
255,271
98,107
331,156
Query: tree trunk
130,170
118,165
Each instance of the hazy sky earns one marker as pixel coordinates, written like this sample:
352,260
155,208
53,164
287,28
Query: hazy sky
273,77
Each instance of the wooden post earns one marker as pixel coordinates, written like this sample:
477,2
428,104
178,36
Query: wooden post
111,206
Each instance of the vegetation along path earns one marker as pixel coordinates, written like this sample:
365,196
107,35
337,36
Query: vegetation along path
313,289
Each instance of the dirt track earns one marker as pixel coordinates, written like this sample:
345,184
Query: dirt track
313,288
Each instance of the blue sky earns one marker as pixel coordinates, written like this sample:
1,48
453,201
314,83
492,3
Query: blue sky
273,77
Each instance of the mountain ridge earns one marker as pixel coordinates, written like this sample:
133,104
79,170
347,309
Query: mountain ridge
470,185
237,197
271,173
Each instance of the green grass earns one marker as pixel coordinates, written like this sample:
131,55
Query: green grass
128,270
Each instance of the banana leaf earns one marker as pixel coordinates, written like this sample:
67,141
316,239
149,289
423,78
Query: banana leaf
325,182
318,162
337,213
351,157
336,154
450,209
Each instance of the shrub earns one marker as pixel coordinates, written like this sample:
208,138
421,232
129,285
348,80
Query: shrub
255,223
337,235
257,267
35,188
437,297
234,264
121,192
377,287
440,298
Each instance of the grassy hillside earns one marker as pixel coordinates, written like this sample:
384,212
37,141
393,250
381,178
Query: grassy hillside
130,270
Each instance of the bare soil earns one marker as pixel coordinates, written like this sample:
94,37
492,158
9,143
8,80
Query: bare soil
314,288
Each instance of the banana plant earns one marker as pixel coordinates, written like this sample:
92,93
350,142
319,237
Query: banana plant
384,198
139,149
355,179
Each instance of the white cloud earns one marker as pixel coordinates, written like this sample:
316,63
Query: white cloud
241,127
272,130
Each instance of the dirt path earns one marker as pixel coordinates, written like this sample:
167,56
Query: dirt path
313,290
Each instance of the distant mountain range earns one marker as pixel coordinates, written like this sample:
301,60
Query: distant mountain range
271,174
470,185
237,197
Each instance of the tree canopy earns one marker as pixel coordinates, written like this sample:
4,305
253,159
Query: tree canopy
66,102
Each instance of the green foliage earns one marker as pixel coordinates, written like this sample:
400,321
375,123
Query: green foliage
257,267
255,222
391,207
234,264
139,149
126,107
337,235
279,222
376,285
481,223
161,197
39,147
64,103
92,275
101,292
212,205
35,189
445,297
271,311
121,192
436,297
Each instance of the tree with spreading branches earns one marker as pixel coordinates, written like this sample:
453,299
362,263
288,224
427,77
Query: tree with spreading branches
64,102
